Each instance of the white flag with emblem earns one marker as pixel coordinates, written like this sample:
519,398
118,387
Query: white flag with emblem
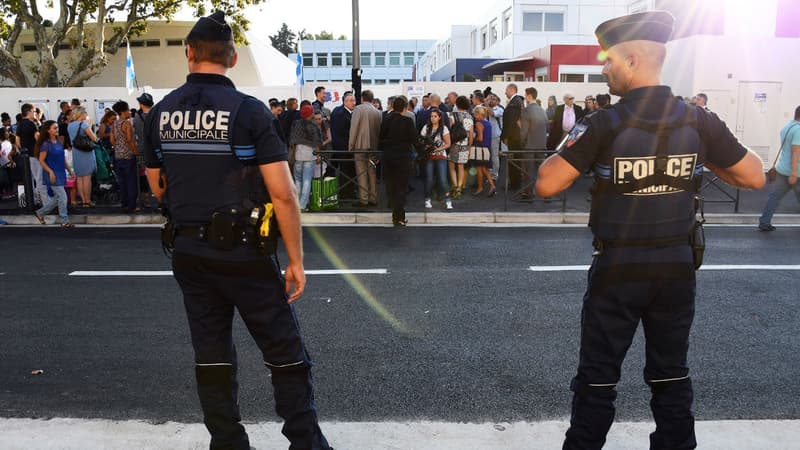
130,74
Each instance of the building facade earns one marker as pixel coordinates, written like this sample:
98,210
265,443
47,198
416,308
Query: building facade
382,61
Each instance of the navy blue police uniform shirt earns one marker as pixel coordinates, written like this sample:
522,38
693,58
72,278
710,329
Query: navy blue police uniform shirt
589,144
196,181
585,144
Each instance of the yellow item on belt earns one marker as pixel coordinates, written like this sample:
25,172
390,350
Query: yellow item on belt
268,212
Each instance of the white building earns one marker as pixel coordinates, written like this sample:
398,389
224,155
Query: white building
160,62
382,61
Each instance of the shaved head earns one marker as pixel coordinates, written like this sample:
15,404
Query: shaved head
633,64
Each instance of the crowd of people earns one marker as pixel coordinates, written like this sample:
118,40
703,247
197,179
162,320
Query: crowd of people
451,134
70,156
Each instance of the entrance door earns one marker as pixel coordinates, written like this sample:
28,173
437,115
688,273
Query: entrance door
758,117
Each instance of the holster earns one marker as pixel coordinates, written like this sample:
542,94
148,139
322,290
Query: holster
168,232
697,239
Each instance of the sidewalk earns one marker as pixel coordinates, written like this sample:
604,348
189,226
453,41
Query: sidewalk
468,210
68,434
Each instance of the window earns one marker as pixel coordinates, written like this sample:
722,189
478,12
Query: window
541,77
380,58
408,58
336,59
473,42
348,59
394,81
308,60
537,21
366,59
483,38
492,31
137,43
175,43
394,58
596,78
148,43
554,22
65,47
322,60
28,48
420,54
380,82
572,78
506,23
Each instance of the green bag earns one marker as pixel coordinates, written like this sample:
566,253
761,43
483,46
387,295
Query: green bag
324,194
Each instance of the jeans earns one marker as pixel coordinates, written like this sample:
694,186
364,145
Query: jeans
303,172
39,188
780,188
440,167
59,198
128,175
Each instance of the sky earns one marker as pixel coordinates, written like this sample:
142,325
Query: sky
380,19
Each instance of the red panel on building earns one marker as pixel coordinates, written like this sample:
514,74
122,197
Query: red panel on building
572,55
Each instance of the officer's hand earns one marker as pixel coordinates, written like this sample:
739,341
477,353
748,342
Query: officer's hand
793,178
297,275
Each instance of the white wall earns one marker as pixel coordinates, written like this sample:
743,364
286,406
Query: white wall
723,65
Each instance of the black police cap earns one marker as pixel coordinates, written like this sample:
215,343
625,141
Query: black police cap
647,26
211,28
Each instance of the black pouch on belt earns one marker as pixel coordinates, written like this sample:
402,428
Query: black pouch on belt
222,230
698,241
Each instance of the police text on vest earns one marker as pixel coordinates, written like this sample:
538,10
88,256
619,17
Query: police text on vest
194,125
630,169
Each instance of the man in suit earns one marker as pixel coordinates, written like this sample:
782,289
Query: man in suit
534,137
567,114
365,128
511,135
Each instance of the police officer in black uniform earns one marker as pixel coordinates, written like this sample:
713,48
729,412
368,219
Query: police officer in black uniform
647,153
214,158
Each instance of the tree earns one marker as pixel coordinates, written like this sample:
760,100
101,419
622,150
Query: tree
323,36
285,40
93,29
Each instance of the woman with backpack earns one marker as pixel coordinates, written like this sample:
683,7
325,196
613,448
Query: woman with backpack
436,141
461,136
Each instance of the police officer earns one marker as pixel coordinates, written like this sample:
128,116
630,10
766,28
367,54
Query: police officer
647,153
214,158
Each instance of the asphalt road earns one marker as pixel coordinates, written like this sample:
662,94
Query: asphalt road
457,330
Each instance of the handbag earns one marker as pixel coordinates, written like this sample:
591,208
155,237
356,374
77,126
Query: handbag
772,173
81,141
479,154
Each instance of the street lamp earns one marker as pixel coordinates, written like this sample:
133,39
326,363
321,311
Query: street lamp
356,74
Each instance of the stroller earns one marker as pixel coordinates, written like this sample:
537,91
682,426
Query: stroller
105,189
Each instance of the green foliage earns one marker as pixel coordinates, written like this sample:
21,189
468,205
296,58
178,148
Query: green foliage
76,25
285,40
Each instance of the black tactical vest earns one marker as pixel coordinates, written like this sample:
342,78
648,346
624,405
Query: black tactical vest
646,190
207,171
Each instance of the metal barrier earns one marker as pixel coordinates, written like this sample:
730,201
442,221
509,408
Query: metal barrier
710,179
334,160
527,160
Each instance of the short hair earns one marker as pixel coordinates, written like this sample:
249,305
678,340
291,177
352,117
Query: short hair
120,107
26,108
367,96
217,52
703,96
797,113
532,92
479,96
318,89
304,103
512,86
480,110
603,100
462,103
399,103
77,112
426,96
347,95
63,104
75,102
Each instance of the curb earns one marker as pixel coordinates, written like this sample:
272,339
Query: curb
414,218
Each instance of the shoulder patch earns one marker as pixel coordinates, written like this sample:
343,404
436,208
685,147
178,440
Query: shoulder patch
576,134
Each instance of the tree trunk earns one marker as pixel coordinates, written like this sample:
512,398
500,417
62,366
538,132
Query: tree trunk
10,68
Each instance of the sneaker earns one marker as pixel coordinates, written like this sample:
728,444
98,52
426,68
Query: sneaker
766,227
448,204
428,204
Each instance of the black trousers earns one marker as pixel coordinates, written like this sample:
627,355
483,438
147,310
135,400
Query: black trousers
212,289
618,297
396,173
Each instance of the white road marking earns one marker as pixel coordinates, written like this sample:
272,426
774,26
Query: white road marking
168,273
69,434
704,267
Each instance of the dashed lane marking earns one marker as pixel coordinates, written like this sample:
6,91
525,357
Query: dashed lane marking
168,273
705,267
